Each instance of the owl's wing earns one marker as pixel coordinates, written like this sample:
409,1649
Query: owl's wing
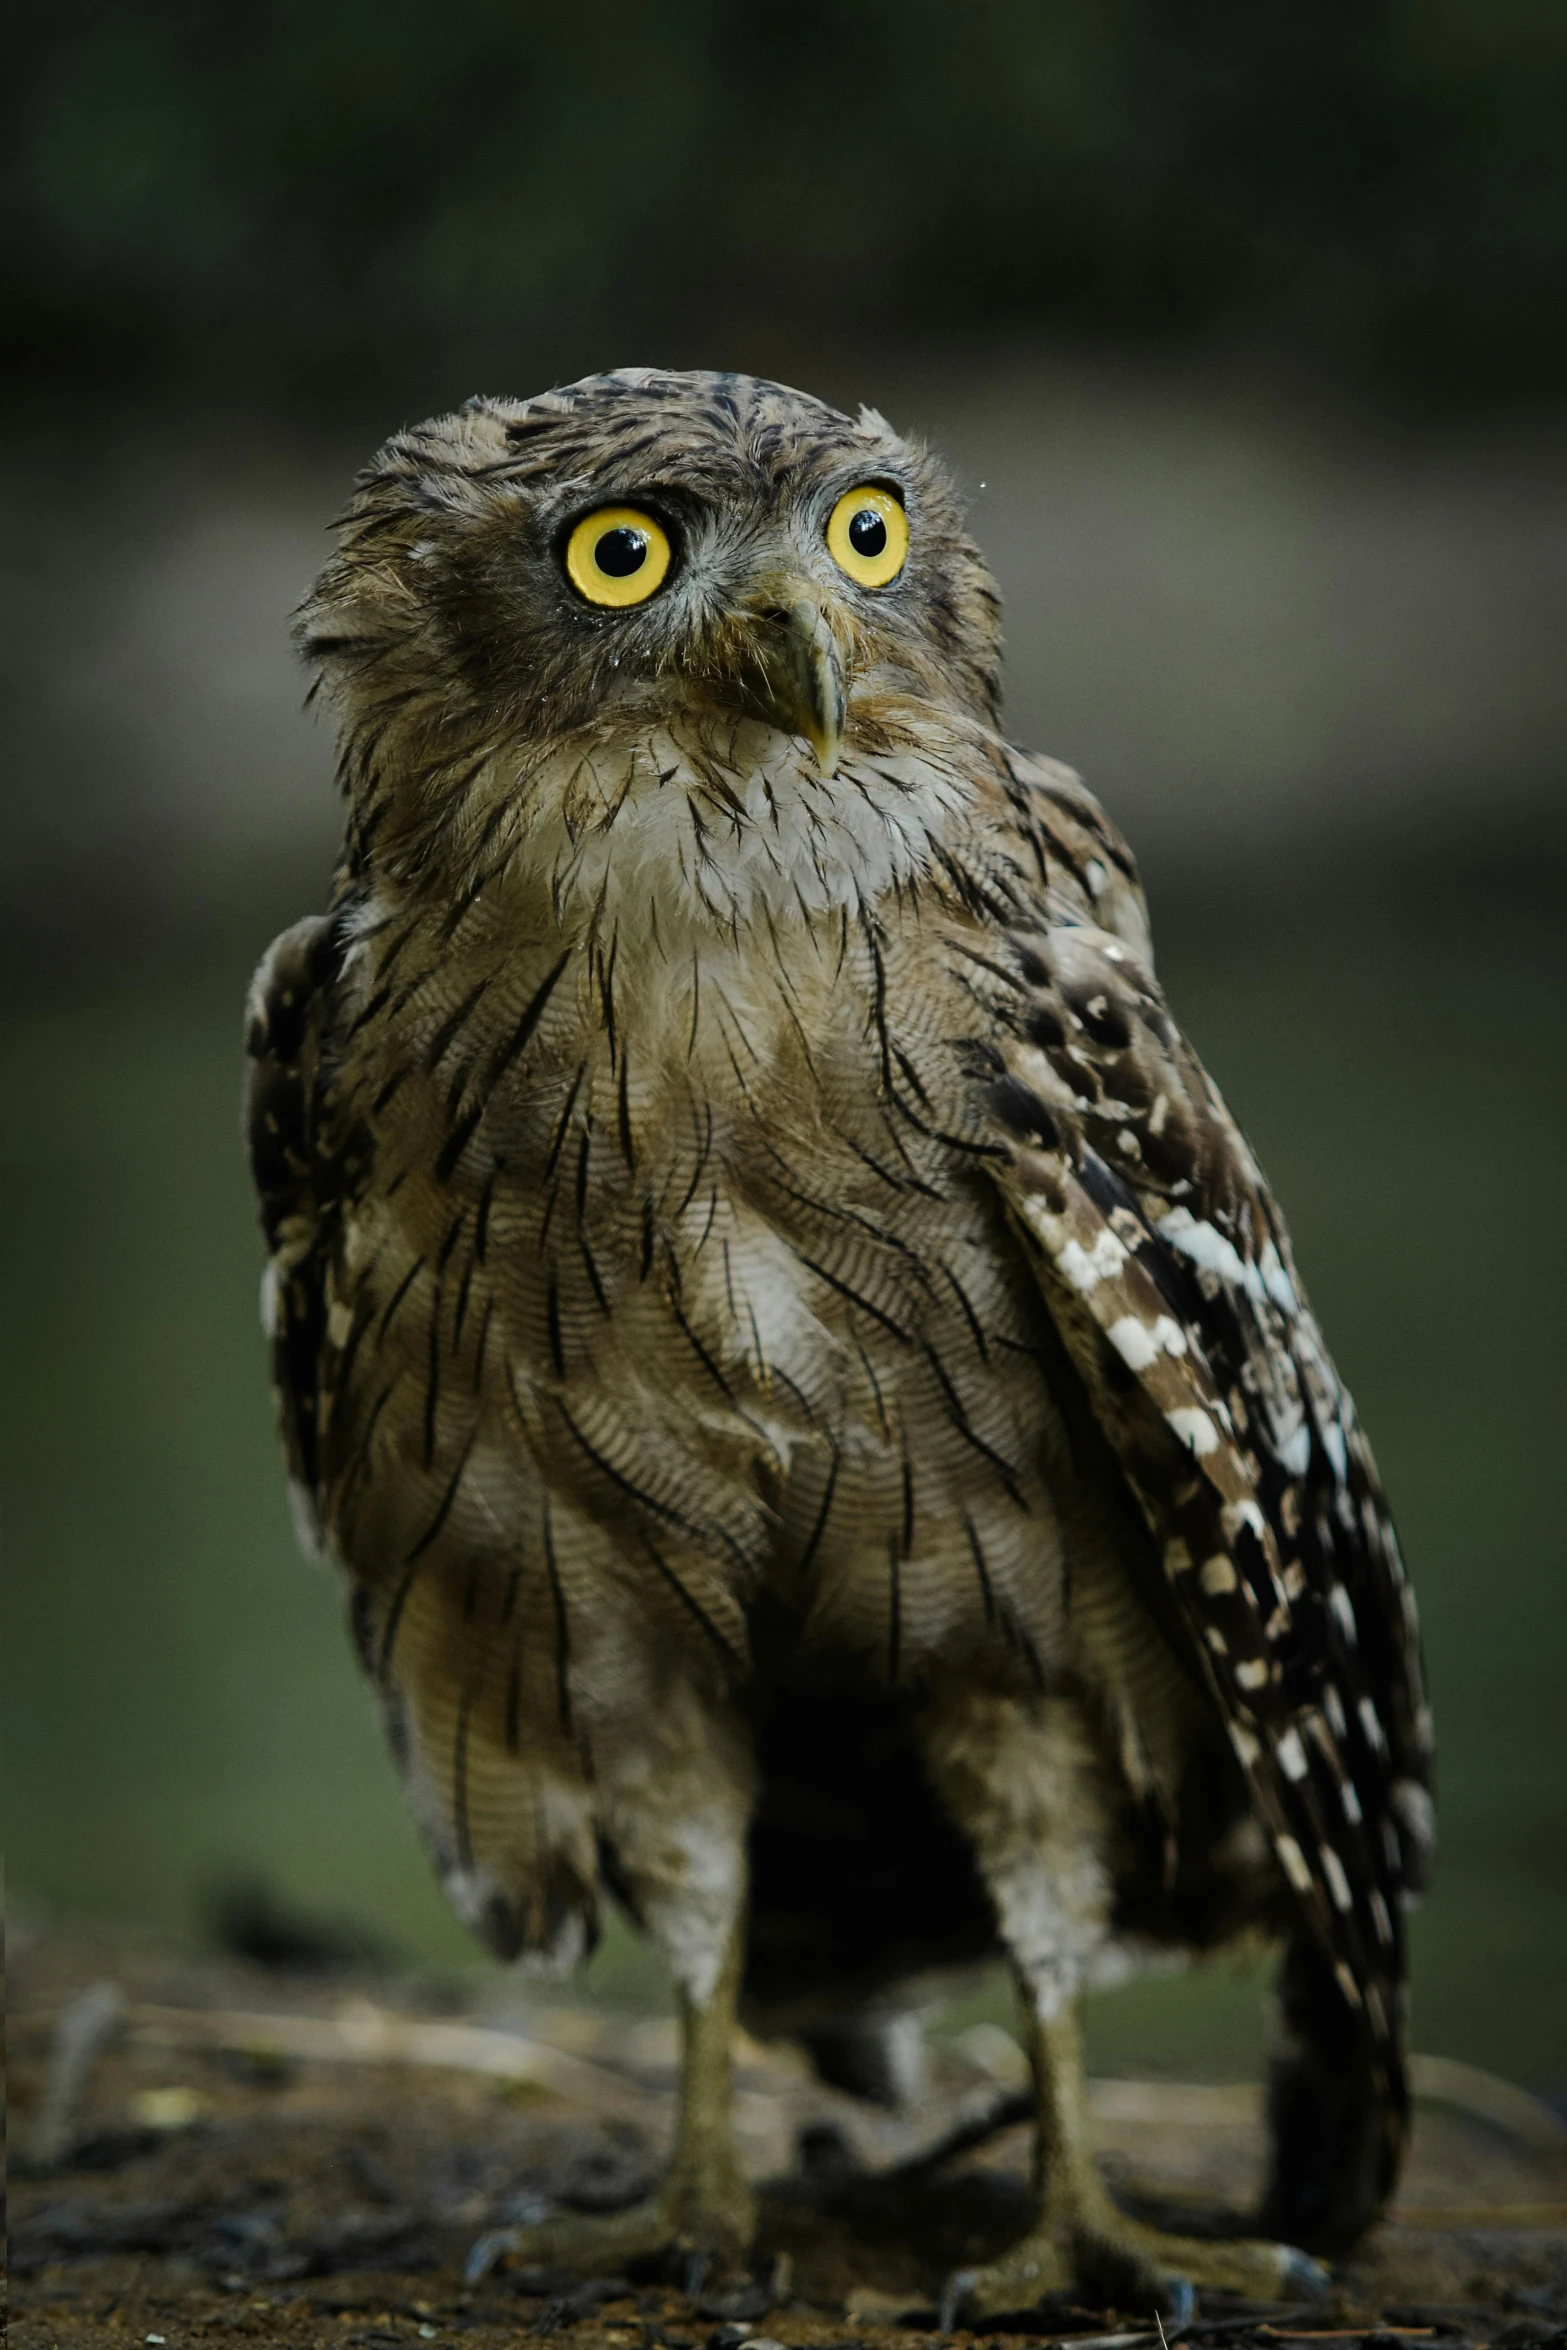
1166,1266
297,1182
512,1841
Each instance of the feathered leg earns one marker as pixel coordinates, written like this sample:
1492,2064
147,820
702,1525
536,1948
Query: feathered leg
673,1793
873,2052
704,2211
1026,1782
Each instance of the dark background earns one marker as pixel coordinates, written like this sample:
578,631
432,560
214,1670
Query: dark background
1246,331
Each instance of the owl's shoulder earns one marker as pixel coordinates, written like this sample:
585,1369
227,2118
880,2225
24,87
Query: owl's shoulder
1046,850
296,1164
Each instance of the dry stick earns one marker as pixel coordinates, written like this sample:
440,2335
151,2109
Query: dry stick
1442,2080
369,2035
1435,2217
83,2032
1099,2341
1007,2113
1434,2080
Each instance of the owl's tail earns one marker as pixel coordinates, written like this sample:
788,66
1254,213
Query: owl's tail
1338,2114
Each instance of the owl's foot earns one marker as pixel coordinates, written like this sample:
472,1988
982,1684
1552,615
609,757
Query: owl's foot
1081,2242
705,2221
1133,2267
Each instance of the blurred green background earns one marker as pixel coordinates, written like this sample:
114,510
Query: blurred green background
1246,332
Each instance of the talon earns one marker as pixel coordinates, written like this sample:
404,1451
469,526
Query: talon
487,2250
1180,2302
1304,2275
954,2293
693,2273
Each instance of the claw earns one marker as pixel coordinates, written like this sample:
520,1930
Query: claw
1180,2303
954,2293
487,2251
1303,2275
693,2272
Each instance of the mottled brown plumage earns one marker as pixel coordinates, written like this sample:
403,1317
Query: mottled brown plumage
783,1338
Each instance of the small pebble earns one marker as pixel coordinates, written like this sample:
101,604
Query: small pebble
737,2305
168,2109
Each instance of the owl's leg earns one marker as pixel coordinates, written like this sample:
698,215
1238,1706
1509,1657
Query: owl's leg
1025,1780
708,2209
704,2211
1081,2240
874,2052
675,1819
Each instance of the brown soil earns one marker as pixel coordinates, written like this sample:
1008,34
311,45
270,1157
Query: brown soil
207,2185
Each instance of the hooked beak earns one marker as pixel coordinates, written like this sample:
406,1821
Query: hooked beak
804,691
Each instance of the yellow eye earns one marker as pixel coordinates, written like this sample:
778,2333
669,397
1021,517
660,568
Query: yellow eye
618,555
868,536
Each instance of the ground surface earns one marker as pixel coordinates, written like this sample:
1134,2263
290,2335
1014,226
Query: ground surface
248,2157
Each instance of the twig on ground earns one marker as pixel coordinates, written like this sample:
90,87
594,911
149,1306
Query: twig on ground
83,2032
1442,2080
364,2034
1434,2080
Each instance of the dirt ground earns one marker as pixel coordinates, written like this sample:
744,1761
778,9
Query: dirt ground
209,2151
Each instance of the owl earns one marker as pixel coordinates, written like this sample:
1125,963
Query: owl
805,1384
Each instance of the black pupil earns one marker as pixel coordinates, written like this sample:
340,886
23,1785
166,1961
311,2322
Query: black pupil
868,532
620,552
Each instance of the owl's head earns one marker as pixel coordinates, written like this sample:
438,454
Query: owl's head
637,551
